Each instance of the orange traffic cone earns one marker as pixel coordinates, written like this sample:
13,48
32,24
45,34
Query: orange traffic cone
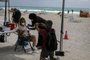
65,36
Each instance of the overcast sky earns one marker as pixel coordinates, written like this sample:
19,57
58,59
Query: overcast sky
50,3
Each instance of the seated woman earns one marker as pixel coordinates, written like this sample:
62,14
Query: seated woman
23,33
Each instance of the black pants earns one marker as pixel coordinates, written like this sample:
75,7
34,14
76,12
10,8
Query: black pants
39,43
2,38
46,54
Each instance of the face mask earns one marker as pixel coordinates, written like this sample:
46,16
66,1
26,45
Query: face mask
23,23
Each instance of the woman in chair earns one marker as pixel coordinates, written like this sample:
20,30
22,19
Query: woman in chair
24,32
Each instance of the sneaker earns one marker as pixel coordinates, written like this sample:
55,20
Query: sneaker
38,47
33,48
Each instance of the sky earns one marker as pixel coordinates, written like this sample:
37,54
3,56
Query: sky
50,3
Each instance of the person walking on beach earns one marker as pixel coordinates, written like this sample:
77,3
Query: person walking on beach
36,19
47,49
72,11
16,15
68,11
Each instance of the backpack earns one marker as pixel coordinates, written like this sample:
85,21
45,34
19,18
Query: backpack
51,42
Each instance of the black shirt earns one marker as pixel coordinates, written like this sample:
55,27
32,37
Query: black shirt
38,20
16,16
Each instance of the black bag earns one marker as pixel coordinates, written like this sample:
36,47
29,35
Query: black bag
51,42
2,38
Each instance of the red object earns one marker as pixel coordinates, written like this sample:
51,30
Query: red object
65,36
84,13
11,25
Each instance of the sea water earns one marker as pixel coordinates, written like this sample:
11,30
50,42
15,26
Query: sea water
48,9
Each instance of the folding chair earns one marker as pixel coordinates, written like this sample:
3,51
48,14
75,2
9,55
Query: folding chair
23,43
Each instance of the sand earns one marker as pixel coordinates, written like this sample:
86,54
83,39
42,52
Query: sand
77,47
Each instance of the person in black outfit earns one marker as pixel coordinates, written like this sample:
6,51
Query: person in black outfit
16,15
36,19
72,11
68,11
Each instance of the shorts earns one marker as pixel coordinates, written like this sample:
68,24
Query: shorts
24,38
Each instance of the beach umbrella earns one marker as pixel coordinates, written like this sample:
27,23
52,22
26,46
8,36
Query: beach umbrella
60,52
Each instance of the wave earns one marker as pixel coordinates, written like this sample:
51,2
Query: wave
46,11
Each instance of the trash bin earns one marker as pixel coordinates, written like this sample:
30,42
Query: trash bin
1,35
11,26
2,38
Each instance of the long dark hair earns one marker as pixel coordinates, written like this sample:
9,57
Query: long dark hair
32,16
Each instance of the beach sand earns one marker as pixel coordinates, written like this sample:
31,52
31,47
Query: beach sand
77,47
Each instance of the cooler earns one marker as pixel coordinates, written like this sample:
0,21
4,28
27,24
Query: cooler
11,26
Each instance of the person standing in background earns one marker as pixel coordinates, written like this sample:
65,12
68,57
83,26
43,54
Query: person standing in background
68,11
72,11
16,15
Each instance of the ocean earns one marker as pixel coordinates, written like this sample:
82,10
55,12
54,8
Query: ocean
49,9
